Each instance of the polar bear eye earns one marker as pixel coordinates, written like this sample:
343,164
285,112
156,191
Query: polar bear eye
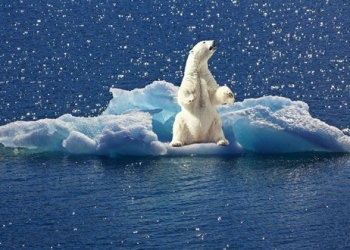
203,42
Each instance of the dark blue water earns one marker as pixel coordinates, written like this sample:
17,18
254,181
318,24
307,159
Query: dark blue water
254,202
59,57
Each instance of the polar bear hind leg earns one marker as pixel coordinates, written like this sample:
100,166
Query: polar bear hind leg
180,131
223,142
216,133
175,143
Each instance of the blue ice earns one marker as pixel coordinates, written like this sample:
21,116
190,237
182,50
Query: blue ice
139,122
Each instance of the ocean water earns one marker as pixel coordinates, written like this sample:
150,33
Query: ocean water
62,57
252,202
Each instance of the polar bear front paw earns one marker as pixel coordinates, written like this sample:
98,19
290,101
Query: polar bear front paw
176,144
224,95
223,142
228,97
229,94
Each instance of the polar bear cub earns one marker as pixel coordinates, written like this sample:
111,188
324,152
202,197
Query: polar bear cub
198,96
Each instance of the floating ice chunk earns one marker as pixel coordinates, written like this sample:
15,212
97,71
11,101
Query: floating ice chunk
158,98
43,134
139,122
278,125
127,134
78,143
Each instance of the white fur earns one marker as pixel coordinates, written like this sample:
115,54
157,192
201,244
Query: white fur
198,96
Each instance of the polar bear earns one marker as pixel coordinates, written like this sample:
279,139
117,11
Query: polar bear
198,96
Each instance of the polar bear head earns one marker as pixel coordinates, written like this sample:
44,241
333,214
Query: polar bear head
203,50
199,56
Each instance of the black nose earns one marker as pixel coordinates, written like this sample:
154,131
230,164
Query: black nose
213,46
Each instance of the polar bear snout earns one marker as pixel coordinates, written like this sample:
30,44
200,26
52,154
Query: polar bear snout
212,46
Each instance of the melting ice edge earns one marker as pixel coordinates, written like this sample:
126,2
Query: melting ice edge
139,122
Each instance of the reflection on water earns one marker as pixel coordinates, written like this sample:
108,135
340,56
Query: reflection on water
274,201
